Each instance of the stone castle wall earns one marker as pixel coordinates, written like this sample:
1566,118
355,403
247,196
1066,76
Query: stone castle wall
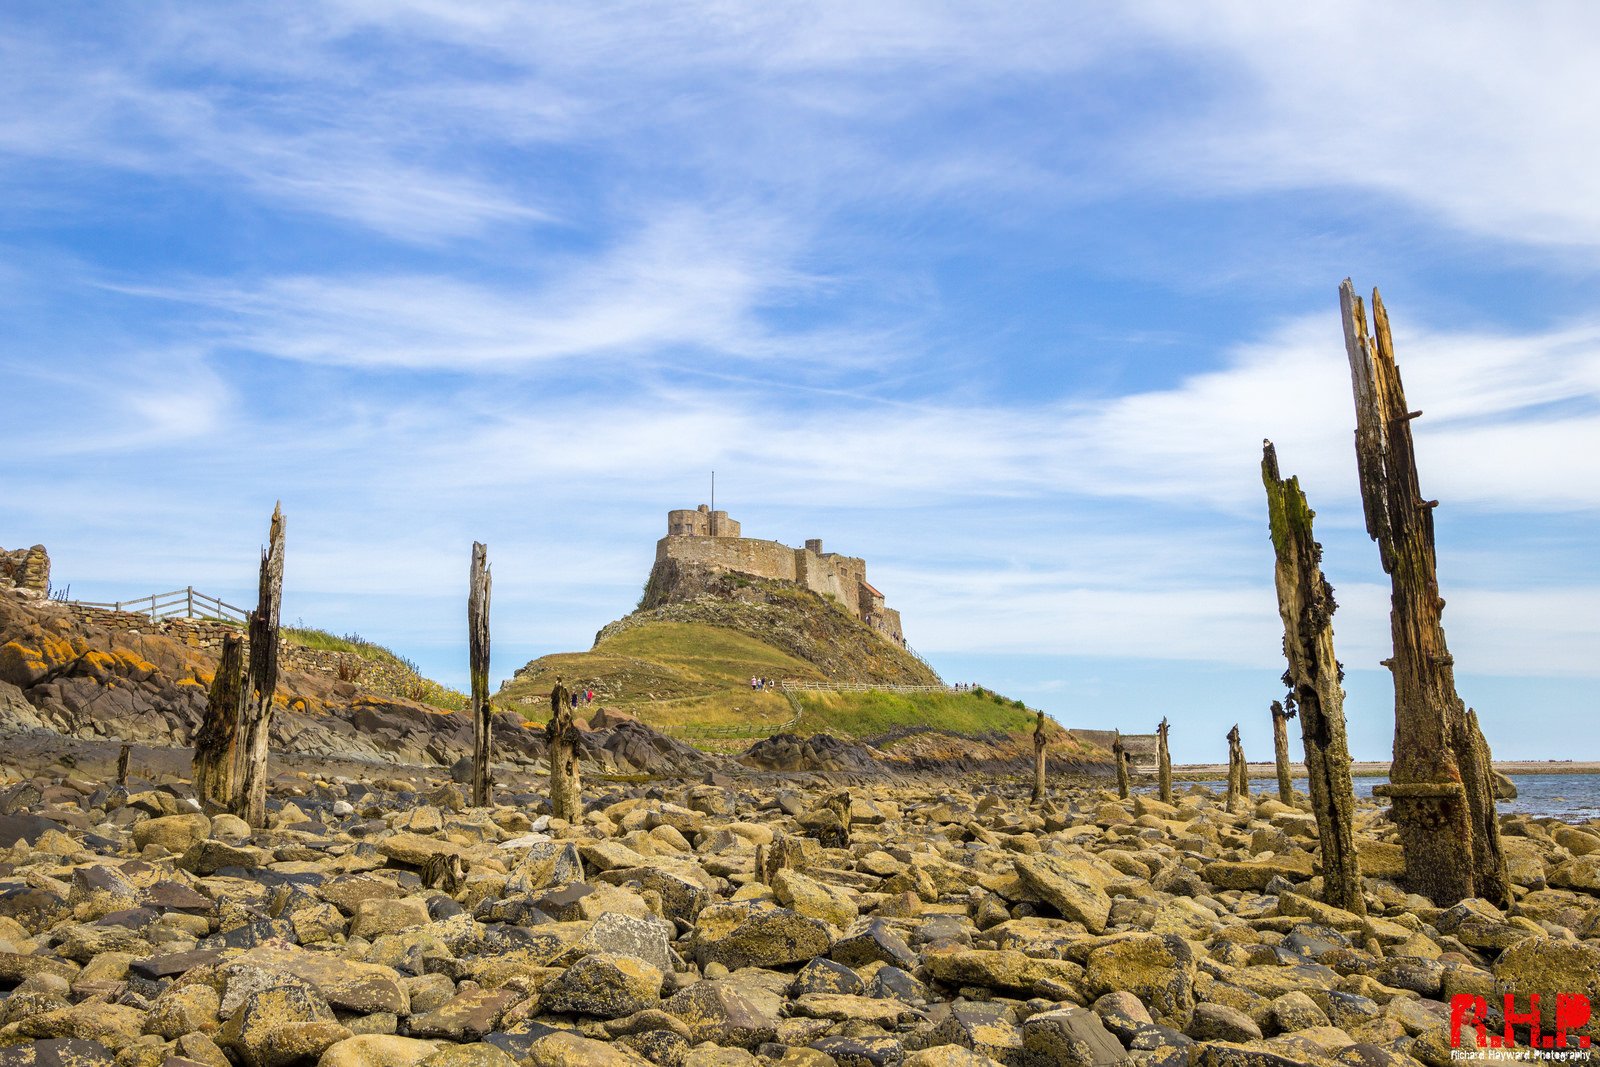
840,578
207,634
830,576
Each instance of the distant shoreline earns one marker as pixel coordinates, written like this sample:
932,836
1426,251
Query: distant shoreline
1375,769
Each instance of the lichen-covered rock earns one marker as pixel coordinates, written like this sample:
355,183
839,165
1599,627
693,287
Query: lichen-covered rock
175,833
814,899
377,1050
1546,966
1071,1037
740,935
1159,969
1066,889
604,985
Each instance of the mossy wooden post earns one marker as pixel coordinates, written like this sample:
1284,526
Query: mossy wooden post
1280,749
1163,763
478,656
1120,751
1238,772
561,737
215,758
1038,759
1439,782
255,723
1306,606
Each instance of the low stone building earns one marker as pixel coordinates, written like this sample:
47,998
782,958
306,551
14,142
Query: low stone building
706,538
1143,749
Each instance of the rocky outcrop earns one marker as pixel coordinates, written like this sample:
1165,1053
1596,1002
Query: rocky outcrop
60,673
785,615
819,752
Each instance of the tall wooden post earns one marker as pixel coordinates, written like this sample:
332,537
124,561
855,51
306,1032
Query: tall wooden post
1438,782
1163,763
1038,759
255,724
478,655
1306,605
215,742
1120,751
561,737
123,758
1238,771
1280,749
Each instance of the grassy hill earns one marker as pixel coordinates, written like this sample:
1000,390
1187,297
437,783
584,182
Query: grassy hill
693,680
683,662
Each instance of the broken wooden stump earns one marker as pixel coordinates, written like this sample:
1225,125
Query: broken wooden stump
1238,770
1280,749
215,742
1306,606
561,736
1439,782
255,722
1038,759
478,663
1163,763
1120,751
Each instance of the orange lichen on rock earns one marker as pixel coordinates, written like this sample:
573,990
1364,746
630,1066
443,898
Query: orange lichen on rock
21,665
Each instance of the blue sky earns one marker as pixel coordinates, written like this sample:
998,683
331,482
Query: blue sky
1003,298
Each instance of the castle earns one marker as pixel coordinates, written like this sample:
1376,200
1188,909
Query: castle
707,538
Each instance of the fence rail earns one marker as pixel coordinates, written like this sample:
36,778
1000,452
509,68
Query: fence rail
185,603
801,685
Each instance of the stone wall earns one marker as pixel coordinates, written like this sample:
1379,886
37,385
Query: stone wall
27,569
707,538
747,555
390,679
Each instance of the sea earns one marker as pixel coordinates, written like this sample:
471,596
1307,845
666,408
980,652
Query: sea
1569,797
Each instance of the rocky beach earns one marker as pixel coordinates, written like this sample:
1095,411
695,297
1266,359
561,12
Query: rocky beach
738,917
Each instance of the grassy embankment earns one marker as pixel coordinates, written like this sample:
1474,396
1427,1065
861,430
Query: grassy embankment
415,687
693,680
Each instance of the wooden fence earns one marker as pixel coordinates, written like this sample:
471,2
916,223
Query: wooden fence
800,685
183,603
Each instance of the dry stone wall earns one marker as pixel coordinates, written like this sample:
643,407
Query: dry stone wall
27,569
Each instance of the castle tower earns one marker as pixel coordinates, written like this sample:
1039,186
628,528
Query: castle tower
701,522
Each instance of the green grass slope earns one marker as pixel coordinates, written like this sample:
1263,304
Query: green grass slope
876,712
692,680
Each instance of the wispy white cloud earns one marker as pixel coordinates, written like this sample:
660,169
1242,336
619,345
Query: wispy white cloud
1478,114
686,279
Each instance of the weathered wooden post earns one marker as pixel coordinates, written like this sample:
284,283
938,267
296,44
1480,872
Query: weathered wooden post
1120,751
1280,749
1238,774
561,737
215,758
1439,782
255,723
478,656
123,758
1306,605
1038,759
1163,763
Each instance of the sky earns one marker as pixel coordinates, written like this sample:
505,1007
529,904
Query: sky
1003,298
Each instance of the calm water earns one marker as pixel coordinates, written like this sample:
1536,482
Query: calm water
1569,797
